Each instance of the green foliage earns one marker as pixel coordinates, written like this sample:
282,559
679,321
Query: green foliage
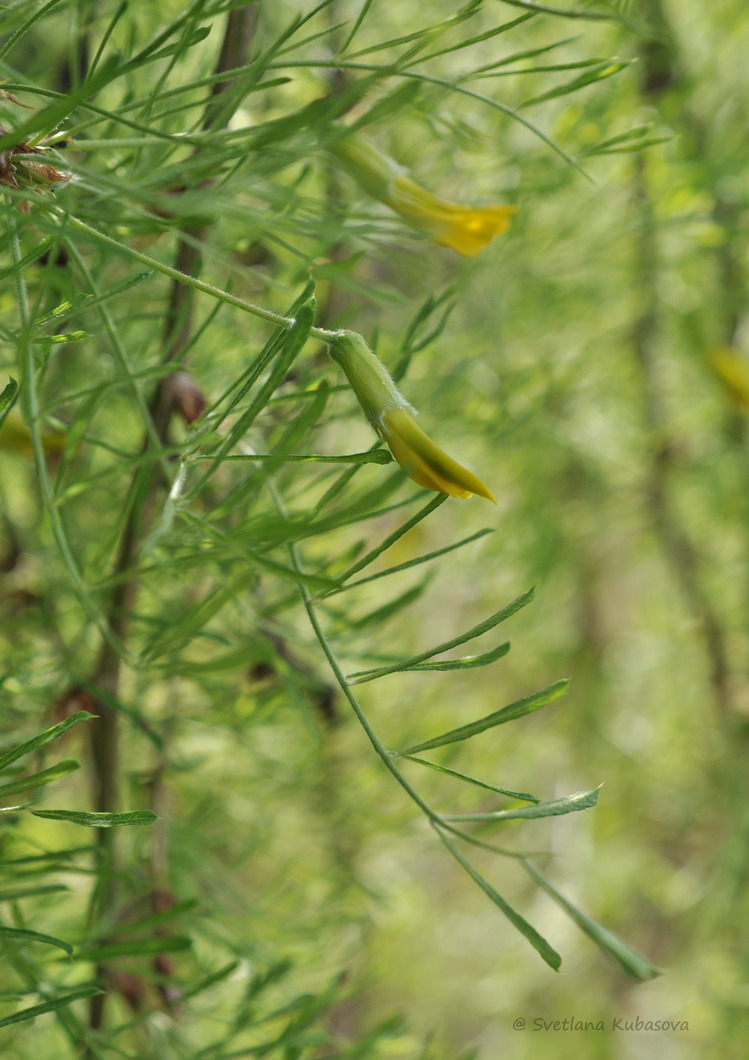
207,557
56,997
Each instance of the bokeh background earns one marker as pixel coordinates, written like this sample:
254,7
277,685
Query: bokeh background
593,368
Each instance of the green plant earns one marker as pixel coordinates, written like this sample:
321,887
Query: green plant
204,522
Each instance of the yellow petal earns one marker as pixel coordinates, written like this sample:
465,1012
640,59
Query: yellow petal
465,229
424,462
733,371
16,438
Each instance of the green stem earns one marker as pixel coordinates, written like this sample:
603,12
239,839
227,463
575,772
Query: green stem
182,277
381,751
30,406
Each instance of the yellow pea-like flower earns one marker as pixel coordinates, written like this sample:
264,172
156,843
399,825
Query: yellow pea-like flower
394,420
424,461
466,229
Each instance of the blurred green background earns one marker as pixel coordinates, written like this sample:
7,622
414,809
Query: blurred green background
593,369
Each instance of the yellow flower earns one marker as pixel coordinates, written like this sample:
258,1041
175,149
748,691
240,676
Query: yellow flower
393,419
466,229
16,438
424,462
733,371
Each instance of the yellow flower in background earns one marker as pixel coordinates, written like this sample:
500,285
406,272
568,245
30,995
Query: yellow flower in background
16,438
466,229
732,369
424,462
394,420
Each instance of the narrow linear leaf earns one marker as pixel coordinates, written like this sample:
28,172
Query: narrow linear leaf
487,35
581,800
77,303
330,30
241,387
99,820
37,780
315,582
395,100
211,980
177,48
373,456
468,662
37,251
577,83
483,627
422,331
174,637
7,398
51,340
52,855
310,413
538,942
472,780
636,133
43,738
382,614
188,625
49,1006
26,26
500,717
228,661
641,145
281,350
355,28
277,530
630,961
27,892
34,936
493,69
102,695
414,562
135,947
50,117
527,53
562,12
422,513
453,86
157,920
106,35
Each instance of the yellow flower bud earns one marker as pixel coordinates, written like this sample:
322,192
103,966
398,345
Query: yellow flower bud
466,229
393,419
